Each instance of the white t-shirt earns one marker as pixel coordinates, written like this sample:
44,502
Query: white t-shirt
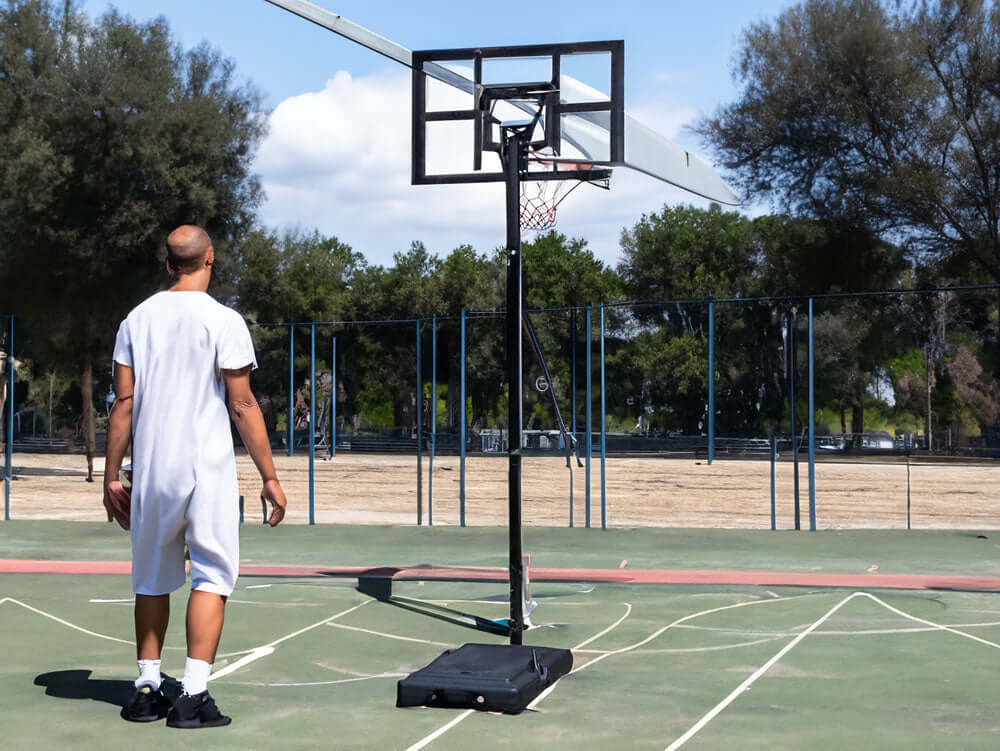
177,344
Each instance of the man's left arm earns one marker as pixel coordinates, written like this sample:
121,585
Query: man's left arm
117,499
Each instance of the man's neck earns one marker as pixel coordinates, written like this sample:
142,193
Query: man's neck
197,282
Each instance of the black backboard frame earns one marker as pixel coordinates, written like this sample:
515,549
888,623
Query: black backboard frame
553,108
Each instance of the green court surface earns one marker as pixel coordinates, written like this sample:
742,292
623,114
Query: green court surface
311,662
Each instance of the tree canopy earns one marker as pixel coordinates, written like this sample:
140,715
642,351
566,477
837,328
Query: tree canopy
110,136
875,114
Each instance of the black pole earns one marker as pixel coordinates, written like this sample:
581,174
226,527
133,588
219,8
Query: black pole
512,148
792,373
420,433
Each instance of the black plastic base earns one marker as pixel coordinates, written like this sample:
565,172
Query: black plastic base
490,677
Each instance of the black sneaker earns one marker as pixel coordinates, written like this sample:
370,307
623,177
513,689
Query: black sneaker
146,705
198,711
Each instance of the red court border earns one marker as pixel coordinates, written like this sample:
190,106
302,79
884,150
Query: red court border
488,574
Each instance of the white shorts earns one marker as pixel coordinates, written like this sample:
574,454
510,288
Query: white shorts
207,521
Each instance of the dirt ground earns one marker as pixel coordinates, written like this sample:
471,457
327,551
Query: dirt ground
649,491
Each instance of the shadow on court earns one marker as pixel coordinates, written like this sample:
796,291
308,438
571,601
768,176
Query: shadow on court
77,684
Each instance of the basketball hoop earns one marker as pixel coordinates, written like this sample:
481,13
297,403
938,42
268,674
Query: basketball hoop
541,198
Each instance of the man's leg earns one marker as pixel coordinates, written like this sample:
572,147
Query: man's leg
152,613
205,614
212,528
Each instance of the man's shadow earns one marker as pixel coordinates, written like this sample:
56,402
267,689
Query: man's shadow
77,684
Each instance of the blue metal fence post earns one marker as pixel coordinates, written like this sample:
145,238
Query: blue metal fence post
588,419
774,457
312,421
812,426
462,431
604,432
572,379
430,462
420,433
291,389
333,397
711,381
8,476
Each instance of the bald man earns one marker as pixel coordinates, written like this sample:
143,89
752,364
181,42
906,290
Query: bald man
182,371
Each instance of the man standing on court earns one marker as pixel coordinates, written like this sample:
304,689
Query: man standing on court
182,371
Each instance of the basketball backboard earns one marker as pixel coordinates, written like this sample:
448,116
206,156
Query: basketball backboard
463,97
593,125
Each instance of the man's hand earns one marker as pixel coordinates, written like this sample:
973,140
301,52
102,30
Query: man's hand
118,502
273,494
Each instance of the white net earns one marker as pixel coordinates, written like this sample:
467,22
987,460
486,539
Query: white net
541,198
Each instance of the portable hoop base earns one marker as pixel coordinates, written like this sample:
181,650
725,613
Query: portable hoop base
488,677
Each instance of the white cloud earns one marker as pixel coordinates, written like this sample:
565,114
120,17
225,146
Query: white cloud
339,160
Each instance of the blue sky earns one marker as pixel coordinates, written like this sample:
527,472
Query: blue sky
337,155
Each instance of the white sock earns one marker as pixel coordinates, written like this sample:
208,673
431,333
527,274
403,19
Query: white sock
149,674
196,674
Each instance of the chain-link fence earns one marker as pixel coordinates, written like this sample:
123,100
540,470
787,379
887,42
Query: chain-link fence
849,410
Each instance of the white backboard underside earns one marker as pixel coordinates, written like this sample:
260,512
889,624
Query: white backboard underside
585,137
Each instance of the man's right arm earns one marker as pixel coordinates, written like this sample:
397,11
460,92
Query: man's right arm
246,416
116,498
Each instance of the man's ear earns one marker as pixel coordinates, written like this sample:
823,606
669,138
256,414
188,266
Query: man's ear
210,256
170,269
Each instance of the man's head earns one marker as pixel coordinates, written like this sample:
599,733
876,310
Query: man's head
189,249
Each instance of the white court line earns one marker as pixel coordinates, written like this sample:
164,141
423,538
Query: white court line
719,648
581,645
788,647
657,633
949,629
65,623
128,599
73,626
260,586
445,728
711,714
390,636
278,604
255,654
847,632
266,649
440,731
330,683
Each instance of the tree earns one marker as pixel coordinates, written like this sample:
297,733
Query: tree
110,136
292,277
877,114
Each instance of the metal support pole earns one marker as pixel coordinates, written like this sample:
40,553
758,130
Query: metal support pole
420,433
711,382
434,383
792,371
812,425
312,421
512,152
291,390
8,476
774,457
604,432
462,431
333,397
589,422
908,490
572,379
